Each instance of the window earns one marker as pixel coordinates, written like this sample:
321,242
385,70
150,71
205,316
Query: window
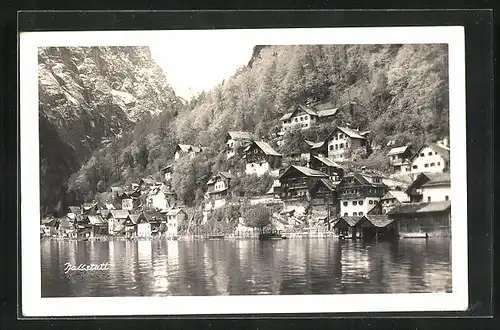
370,201
426,165
433,164
331,147
301,118
346,145
345,214
414,167
355,203
428,198
360,214
296,119
253,165
336,147
360,202
439,163
422,154
261,164
345,203
354,214
446,198
305,125
430,153
306,117
341,146
435,153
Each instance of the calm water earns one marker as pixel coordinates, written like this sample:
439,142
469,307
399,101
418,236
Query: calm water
242,267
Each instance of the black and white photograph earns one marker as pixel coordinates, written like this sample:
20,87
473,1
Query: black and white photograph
243,171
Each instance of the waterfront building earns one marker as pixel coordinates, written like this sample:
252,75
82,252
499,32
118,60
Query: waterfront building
116,221
430,158
429,219
399,159
89,208
359,193
430,187
49,226
343,140
174,218
98,224
261,158
157,221
187,149
143,226
393,198
304,117
66,228
74,213
236,141
160,197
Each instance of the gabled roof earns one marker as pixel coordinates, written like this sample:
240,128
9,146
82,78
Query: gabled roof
315,145
379,221
133,218
348,131
154,216
88,206
148,180
397,151
96,220
266,148
75,209
351,221
117,189
328,184
184,147
416,208
239,135
172,211
298,107
437,148
306,171
328,112
326,161
400,196
361,178
103,213
436,179
119,214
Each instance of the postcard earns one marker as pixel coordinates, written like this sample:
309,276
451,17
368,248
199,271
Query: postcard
243,171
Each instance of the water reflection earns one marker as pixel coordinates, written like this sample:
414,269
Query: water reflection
241,267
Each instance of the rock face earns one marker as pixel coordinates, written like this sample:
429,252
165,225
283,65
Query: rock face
87,97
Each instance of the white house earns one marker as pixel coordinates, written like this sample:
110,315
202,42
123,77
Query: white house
187,149
393,198
359,193
174,219
343,140
304,116
430,158
260,158
157,197
430,187
399,158
167,172
143,226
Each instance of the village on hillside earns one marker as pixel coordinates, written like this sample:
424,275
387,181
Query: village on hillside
313,191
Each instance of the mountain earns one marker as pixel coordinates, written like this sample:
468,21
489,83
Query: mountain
398,92
89,96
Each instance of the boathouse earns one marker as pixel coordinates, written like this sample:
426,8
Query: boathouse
346,226
174,219
116,221
429,219
376,226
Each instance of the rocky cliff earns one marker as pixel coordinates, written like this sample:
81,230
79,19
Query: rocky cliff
87,97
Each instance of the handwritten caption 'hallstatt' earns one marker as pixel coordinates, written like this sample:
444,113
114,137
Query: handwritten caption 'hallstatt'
85,267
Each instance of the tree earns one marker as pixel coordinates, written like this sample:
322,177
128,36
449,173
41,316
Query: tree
257,217
184,181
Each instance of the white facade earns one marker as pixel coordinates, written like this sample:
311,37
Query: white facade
436,193
177,155
172,225
303,120
427,161
168,176
231,148
158,201
144,229
357,207
257,168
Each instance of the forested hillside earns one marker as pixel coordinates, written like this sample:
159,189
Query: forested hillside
398,92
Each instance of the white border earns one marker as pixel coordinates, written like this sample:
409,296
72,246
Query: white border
34,305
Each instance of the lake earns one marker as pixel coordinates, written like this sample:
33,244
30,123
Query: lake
161,267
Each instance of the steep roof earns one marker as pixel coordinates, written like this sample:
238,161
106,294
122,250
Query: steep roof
397,151
103,213
117,189
306,171
416,208
326,161
379,221
351,221
400,196
239,135
361,178
173,211
328,112
328,184
133,218
119,214
436,179
266,148
302,107
184,147
315,145
75,209
435,207
88,206
227,175
96,220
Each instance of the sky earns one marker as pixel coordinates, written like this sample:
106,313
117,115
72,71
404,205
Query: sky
193,67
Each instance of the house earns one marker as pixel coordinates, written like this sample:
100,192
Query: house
116,191
430,219
143,186
261,158
49,226
187,149
399,159
116,221
317,148
99,224
324,199
157,221
217,189
167,172
304,116
346,226
132,225
374,226
143,227
298,181
430,187
393,198
67,229
430,158
359,193
74,213
333,170
343,140
174,218
236,141
89,208
159,197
